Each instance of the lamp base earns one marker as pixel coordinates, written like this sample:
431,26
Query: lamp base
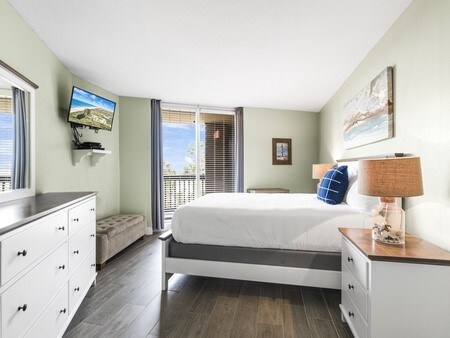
388,223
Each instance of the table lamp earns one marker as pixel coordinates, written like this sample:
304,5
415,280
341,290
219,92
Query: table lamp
389,178
319,170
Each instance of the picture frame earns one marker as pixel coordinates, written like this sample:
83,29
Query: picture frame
282,151
369,115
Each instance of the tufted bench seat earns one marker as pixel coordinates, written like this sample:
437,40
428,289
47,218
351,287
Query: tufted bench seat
115,233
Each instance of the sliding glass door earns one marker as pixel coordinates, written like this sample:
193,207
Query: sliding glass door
199,155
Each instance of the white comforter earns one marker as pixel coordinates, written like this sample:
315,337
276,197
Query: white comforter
276,221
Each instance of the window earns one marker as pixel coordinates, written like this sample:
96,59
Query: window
198,153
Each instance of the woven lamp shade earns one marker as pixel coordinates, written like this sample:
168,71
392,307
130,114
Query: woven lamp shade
390,177
319,170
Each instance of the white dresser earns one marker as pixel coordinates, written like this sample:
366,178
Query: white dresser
394,291
47,253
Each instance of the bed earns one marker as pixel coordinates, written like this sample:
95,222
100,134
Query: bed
277,238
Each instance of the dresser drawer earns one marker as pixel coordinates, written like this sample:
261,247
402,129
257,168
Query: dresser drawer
52,322
81,279
353,316
355,291
80,215
80,245
24,248
23,302
355,261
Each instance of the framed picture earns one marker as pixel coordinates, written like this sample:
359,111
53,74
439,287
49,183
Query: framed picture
369,115
281,151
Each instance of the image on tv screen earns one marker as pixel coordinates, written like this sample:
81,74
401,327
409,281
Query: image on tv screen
91,110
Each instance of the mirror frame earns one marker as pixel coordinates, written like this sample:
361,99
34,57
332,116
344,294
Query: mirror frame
21,82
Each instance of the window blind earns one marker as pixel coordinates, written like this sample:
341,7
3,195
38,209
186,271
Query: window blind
6,142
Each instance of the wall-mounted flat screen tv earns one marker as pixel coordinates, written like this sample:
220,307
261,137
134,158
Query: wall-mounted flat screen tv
88,109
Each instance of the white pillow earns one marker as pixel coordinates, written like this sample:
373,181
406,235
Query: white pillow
358,201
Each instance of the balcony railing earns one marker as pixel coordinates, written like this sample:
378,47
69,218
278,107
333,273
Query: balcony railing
179,190
5,183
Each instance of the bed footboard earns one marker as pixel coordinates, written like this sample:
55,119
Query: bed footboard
165,239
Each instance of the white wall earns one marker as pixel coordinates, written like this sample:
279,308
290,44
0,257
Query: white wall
418,47
260,126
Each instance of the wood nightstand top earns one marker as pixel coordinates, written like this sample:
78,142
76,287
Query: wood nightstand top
415,250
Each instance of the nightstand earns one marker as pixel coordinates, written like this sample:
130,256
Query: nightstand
394,291
268,190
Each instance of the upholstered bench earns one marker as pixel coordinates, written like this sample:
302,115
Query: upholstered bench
115,233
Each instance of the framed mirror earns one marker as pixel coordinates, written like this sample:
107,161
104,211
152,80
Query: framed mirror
17,133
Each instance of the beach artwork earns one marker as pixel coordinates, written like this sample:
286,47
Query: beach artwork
369,116
91,110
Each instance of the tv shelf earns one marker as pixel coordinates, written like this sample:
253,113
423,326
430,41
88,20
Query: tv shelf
96,154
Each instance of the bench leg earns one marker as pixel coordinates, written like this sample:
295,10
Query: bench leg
100,266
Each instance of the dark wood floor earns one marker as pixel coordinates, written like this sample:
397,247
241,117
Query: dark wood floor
127,302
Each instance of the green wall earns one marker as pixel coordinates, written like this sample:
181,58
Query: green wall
260,126
418,47
25,52
135,161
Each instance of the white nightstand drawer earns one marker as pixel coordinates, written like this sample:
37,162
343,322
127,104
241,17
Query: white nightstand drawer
355,291
355,261
81,215
22,303
51,323
80,245
21,250
80,279
353,317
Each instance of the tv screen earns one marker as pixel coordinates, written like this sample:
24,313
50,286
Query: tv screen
88,109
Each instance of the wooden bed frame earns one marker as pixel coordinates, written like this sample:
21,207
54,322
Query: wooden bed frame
252,272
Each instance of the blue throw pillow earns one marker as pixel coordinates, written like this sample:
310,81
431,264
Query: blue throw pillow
333,186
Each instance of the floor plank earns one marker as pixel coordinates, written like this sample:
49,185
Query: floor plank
220,321
295,322
270,310
244,321
267,330
315,305
322,328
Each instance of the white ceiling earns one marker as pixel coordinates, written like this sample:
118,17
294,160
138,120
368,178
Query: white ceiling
291,54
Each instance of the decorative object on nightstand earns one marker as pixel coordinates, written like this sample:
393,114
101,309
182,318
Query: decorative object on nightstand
389,178
394,291
319,171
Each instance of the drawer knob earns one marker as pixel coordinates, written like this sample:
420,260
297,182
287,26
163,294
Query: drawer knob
61,228
61,267
92,209
23,253
63,311
92,235
77,289
351,314
349,259
22,308
76,252
351,287
76,220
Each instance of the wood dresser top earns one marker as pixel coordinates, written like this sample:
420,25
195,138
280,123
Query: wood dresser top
14,214
416,250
